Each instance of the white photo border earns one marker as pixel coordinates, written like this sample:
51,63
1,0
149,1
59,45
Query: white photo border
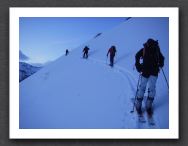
171,133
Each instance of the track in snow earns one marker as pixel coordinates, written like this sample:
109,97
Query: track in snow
127,76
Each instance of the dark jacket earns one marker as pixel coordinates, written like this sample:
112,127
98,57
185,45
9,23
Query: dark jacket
152,60
112,51
86,49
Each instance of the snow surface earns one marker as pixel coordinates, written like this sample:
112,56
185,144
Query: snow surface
75,93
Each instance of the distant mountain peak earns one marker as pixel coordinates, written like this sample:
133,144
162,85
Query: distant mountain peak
26,70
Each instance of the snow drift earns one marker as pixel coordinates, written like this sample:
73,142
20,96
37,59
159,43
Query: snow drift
77,93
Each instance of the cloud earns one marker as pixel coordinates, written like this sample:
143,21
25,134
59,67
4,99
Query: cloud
22,56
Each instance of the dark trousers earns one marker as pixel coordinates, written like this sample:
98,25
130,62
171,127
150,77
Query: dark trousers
85,55
111,60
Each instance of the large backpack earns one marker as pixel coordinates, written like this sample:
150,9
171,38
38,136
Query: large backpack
151,51
113,50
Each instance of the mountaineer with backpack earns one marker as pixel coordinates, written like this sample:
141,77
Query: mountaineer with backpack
66,52
85,50
112,52
152,61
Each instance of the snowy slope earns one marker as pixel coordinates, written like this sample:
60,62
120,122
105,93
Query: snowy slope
76,93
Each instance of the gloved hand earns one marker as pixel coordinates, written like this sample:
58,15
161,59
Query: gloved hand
139,67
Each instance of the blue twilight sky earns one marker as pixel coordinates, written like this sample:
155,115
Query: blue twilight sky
45,39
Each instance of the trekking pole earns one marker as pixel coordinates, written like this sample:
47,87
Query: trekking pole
136,93
106,59
165,78
162,68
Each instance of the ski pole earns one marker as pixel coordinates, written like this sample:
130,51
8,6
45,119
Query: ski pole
106,59
162,68
136,93
165,78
